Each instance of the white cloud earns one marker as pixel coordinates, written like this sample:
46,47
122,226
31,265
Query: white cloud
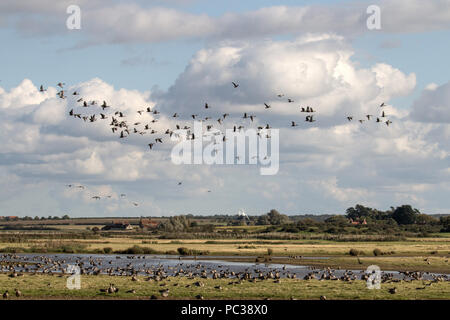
133,22
330,164
314,70
433,105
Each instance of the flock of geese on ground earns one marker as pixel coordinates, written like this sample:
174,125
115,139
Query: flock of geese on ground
138,269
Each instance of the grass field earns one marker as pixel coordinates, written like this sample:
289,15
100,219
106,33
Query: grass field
54,287
424,254
410,247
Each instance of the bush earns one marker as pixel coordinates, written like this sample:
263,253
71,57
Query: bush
107,250
13,250
354,252
377,252
191,252
269,251
138,250
184,251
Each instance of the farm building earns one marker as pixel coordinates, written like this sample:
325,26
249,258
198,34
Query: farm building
148,224
118,226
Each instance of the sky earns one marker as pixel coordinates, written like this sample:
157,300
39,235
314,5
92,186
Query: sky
175,55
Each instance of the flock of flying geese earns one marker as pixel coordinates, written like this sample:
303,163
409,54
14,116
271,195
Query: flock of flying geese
99,197
124,129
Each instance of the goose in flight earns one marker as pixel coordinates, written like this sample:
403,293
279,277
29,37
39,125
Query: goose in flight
290,100
382,105
267,105
309,119
349,118
96,197
158,140
151,145
294,124
235,85
207,106
61,94
280,95
368,116
104,105
60,84
41,89
388,122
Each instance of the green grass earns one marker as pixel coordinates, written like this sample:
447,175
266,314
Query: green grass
53,287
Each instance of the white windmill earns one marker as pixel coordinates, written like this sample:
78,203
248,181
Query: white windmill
241,213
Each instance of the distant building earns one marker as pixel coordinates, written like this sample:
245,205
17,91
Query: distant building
357,222
118,226
9,218
148,224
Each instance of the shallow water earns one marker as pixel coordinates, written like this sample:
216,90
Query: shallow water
127,265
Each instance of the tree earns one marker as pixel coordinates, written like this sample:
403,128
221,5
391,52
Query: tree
360,212
445,221
65,217
175,224
405,214
263,220
426,219
275,218
337,220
